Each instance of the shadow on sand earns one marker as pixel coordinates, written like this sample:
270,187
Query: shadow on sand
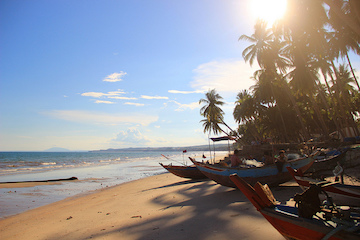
206,211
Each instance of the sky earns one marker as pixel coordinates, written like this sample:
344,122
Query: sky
89,75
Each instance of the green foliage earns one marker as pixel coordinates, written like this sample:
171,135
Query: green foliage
292,98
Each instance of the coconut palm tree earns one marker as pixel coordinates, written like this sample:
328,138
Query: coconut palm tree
304,32
247,111
267,91
346,93
267,49
213,114
260,42
343,38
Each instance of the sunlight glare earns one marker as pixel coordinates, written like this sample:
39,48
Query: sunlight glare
270,11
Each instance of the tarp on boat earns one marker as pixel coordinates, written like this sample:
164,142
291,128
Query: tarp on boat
225,138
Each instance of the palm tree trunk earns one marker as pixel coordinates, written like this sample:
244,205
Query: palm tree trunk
298,113
323,125
349,120
281,116
352,71
332,113
232,131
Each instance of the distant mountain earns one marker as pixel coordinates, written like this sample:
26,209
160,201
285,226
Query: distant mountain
218,147
57,149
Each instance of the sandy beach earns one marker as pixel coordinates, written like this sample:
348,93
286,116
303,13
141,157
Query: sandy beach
162,206
157,207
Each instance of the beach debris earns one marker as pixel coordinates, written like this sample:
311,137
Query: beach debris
138,216
50,180
69,218
156,228
108,213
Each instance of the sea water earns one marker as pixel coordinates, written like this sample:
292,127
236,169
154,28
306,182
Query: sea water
95,170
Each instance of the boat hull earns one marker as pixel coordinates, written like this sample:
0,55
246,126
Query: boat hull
294,227
285,219
328,163
267,174
342,194
191,172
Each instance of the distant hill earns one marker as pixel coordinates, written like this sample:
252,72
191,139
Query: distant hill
57,149
218,147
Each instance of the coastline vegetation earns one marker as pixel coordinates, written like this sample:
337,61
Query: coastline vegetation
306,86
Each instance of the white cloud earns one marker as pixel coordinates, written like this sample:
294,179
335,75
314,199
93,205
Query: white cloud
134,104
100,94
106,102
132,136
115,93
115,77
102,118
186,92
93,94
123,98
226,76
182,107
153,97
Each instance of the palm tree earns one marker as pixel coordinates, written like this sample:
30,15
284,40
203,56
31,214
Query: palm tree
267,49
213,114
343,38
346,93
246,107
304,32
247,111
269,80
260,40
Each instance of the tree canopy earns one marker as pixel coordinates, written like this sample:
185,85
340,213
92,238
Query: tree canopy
306,86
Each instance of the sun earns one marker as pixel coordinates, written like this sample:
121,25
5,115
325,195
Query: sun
268,10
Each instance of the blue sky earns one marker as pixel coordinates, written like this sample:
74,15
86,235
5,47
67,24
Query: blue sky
87,75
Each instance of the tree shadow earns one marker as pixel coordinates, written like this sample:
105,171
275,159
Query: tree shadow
190,181
210,210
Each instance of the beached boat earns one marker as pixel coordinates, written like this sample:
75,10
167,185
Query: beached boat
328,161
184,171
342,194
268,174
295,223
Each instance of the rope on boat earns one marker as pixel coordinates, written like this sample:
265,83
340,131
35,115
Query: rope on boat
348,228
173,160
333,232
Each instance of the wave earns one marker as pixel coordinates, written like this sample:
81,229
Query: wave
48,163
21,162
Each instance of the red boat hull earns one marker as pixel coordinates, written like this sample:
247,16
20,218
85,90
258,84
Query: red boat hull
185,171
342,194
285,219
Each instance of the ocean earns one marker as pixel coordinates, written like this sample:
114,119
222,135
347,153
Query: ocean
95,170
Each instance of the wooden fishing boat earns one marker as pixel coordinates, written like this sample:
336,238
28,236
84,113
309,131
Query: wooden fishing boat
327,223
328,161
184,171
342,194
266,174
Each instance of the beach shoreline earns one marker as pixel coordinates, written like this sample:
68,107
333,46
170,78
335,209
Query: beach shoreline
157,207
27,194
161,206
